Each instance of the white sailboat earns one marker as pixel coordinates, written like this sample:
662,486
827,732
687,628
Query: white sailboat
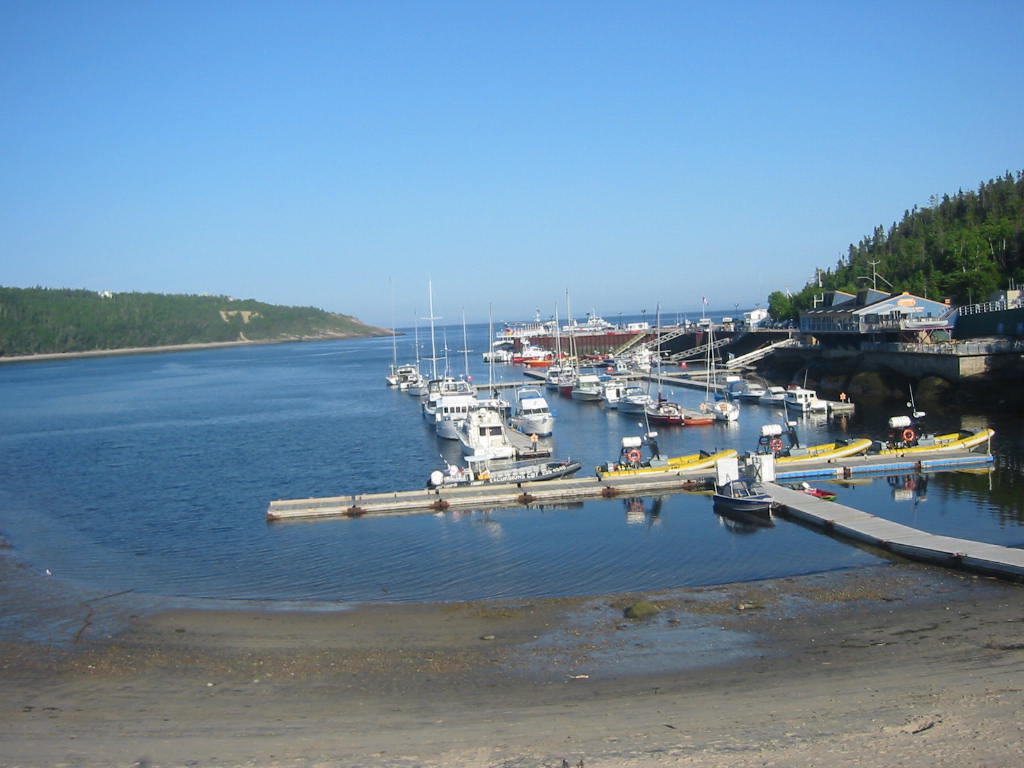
723,410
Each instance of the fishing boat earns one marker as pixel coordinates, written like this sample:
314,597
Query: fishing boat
783,443
481,471
532,414
743,495
632,461
612,392
803,400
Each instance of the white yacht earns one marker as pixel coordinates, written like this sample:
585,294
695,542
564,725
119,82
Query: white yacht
532,414
483,434
451,410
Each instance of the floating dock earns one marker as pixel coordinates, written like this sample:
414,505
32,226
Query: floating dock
491,496
849,523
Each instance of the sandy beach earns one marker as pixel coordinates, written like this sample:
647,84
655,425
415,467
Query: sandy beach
895,665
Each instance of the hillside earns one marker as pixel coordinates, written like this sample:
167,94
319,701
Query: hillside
44,321
962,247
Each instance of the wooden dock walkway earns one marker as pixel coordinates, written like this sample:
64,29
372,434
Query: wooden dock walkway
847,522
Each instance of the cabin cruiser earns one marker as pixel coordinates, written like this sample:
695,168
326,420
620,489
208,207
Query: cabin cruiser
532,413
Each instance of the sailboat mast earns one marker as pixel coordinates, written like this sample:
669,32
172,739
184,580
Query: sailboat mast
433,345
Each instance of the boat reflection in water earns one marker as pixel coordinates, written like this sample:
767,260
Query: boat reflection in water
640,512
738,521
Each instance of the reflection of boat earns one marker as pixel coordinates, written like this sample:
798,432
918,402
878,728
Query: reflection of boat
741,521
632,462
532,414
480,472
743,495
783,443
909,487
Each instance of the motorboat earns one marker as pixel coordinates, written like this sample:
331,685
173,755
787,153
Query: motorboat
611,392
634,399
773,396
438,388
783,443
632,461
803,400
907,435
480,471
810,490
588,386
450,411
532,414
533,356
482,433
743,495
401,375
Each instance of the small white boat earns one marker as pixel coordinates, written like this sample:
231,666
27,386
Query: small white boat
612,392
588,386
773,396
722,410
451,410
483,434
743,496
634,400
532,414
804,400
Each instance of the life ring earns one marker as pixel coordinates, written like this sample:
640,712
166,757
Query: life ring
776,444
909,435
634,456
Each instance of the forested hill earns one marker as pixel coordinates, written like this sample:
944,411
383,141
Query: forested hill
962,247
42,320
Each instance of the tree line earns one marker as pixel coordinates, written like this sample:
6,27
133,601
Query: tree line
47,320
962,247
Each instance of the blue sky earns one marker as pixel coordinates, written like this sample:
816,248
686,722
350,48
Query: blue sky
339,154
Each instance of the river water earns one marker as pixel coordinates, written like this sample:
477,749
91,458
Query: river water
152,474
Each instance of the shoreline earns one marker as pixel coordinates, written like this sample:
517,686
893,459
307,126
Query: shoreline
897,663
124,351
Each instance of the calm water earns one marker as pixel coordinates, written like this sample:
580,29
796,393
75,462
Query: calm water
153,474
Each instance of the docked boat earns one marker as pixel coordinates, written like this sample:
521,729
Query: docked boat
401,375
532,414
483,434
663,411
810,490
783,443
632,461
743,495
907,435
450,410
743,390
634,399
533,356
611,392
803,400
480,471
773,396
722,410
588,386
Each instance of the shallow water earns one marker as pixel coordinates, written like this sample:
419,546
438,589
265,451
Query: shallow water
153,474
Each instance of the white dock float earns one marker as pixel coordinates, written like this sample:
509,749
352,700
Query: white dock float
948,551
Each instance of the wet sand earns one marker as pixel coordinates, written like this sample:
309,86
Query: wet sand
895,665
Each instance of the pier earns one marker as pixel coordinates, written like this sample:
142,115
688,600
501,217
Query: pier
849,523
